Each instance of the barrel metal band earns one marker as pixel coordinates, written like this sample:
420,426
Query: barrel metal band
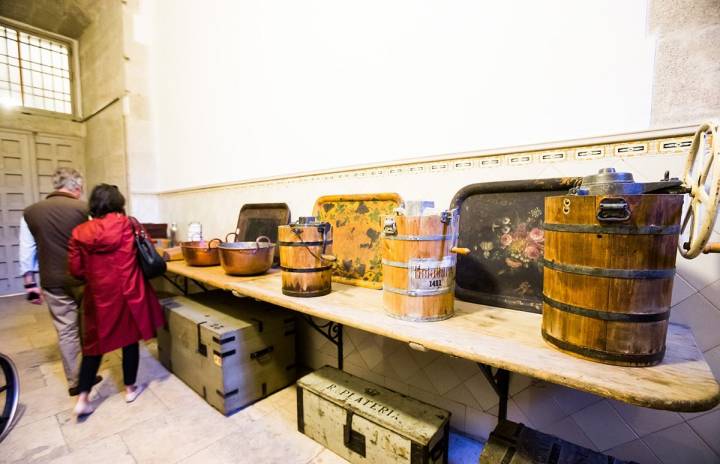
404,264
401,291
614,229
304,244
615,273
306,294
653,358
606,315
420,238
311,269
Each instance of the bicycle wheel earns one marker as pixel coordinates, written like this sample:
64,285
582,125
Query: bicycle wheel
9,394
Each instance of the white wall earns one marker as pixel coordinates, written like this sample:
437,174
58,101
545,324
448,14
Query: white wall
247,89
337,82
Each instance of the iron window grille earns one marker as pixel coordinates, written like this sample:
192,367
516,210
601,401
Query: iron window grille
35,71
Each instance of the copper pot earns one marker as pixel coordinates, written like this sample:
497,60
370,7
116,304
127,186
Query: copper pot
247,258
201,253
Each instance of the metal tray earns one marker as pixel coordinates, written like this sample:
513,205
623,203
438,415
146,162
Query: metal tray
502,224
357,226
257,219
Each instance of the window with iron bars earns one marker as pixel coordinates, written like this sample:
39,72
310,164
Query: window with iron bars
34,71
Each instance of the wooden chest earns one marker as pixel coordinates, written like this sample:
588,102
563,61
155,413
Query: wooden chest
512,443
366,423
232,351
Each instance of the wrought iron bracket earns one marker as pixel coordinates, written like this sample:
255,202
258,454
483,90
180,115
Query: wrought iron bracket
500,382
332,331
200,284
183,287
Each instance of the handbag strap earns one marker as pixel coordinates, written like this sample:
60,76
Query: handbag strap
136,226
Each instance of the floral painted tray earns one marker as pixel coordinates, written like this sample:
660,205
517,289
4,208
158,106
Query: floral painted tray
502,224
357,226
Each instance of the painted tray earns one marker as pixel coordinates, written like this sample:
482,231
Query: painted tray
357,226
502,224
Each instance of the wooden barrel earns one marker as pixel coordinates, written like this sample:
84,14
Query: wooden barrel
419,267
608,273
305,272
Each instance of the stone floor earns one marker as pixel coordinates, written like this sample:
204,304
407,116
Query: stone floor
168,423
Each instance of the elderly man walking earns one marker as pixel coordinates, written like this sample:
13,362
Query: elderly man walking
45,231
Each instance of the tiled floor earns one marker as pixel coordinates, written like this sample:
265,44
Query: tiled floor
168,423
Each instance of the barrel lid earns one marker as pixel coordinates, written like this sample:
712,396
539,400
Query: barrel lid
609,181
307,221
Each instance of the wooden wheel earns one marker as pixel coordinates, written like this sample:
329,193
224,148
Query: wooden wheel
9,394
702,177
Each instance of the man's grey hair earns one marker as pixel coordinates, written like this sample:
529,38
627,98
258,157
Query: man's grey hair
67,178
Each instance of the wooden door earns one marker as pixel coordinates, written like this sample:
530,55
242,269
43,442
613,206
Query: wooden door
16,192
52,152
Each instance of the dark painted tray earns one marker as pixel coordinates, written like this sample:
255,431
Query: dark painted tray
502,224
256,219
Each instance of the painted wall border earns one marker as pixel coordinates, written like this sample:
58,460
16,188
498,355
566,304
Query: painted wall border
668,141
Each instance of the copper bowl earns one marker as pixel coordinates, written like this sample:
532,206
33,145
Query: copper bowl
201,253
247,258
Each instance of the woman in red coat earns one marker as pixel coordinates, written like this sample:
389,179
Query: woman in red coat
119,306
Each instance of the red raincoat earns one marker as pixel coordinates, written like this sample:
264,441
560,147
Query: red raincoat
119,306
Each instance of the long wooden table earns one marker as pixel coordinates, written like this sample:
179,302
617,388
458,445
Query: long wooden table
506,339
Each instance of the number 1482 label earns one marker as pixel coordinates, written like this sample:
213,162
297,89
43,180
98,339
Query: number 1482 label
430,275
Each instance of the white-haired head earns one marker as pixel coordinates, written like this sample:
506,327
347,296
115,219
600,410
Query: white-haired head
68,179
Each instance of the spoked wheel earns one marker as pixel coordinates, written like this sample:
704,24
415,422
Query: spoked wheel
702,178
9,394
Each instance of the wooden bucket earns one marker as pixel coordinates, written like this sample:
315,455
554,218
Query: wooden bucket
608,277
305,259
419,266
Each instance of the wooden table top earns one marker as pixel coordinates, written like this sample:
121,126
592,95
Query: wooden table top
498,337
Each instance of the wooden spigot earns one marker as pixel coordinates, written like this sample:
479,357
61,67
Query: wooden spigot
712,248
460,251
330,258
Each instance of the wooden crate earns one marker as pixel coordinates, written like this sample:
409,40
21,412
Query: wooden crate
512,443
366,423
232,351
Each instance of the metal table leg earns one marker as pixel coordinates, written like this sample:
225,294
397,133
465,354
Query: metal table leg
500,382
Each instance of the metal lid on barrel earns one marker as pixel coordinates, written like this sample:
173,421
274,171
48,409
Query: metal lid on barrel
608,181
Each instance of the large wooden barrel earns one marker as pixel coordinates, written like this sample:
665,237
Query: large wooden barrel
305,260
608,273
419,266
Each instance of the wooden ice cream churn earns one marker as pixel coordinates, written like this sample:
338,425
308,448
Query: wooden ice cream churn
418,258
305,257
609,263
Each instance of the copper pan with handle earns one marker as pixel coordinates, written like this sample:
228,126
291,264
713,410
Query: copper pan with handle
247,258
201,253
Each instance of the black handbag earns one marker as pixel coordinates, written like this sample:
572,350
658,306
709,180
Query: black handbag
151,263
